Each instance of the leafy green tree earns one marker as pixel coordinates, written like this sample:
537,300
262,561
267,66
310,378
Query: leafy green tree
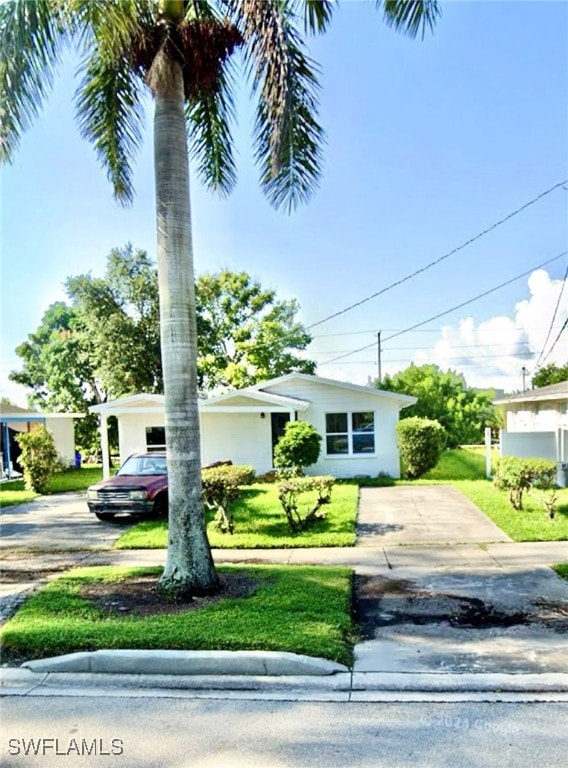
182,51
444,397
119,315
107,344
59,372
550,374
245,334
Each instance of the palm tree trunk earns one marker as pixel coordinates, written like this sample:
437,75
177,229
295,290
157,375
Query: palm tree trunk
189,568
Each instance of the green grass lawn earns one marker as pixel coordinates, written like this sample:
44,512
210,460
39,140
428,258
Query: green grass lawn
529,524
260,523
297,609
460,464
13,492
562,570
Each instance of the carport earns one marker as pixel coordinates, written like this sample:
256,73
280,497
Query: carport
19,420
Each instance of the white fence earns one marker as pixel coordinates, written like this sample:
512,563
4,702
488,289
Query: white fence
543,445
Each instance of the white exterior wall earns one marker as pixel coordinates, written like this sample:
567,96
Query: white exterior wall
132,432
63,433
551,445
537,417
244,438
326,398
529,445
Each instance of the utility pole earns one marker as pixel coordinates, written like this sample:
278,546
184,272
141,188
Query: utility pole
524,374
379,358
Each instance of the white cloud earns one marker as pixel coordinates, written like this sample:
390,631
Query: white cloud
492,353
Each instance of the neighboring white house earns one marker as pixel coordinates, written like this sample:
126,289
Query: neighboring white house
14,420
357,424
537,423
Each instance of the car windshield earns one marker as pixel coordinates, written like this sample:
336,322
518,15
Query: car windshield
144,465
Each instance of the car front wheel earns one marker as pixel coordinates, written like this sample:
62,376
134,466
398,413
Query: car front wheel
161,506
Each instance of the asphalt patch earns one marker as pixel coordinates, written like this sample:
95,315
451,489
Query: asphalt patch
382,602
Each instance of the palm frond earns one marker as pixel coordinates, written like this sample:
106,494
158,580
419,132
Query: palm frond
410,16
113,24
110,114
287,135
210,117
317,14
31,38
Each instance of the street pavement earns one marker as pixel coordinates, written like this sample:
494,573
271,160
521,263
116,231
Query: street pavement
150,731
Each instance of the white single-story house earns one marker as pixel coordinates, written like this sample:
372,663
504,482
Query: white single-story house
537,423
14,420
357,424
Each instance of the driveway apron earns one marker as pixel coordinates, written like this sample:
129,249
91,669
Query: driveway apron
462,612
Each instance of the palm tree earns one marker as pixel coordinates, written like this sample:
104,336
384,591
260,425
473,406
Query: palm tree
183,51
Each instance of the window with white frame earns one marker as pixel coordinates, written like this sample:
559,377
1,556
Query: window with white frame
350,434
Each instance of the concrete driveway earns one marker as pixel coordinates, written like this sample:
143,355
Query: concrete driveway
422,514
472,611
61,528
61,521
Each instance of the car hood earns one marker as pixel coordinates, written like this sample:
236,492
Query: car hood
148,482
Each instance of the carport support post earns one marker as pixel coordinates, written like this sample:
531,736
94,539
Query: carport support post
8,457
104,446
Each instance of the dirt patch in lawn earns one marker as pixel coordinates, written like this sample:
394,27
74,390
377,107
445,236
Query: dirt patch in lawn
35,574
140,596
381,602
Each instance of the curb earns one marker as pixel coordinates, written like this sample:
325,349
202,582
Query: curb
339,686
187,663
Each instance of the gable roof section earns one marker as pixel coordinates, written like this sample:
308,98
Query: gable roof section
551,392
253,398
403,400
143,403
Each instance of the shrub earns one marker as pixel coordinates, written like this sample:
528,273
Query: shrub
38,458
421,442
518,475
289,492
221,487
298,447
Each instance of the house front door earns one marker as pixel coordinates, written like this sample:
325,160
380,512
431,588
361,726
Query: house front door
279,421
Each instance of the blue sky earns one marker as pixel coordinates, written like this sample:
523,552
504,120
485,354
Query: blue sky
428,143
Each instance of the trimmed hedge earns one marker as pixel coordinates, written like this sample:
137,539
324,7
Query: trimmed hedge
221,487
298,447
421,442
519,475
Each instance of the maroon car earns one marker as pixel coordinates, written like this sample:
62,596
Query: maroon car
140,488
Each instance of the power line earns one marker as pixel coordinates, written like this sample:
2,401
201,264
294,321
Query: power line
395,330
447,312
522,355
553,317
556,340
441,258
455,349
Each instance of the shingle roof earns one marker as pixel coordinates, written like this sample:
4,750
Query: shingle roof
551,392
